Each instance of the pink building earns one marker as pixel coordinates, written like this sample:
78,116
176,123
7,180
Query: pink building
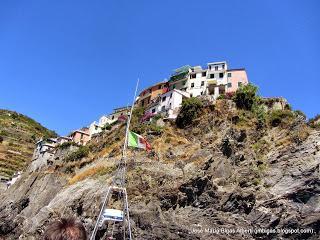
235,79
81,136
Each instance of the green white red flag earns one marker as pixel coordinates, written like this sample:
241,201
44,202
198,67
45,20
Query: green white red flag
137,141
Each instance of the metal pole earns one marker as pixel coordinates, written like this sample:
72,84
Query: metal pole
93,236
129,120
128,216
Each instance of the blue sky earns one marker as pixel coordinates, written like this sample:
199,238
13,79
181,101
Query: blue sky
66,63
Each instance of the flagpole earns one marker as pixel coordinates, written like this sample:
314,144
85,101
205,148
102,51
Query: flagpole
128,122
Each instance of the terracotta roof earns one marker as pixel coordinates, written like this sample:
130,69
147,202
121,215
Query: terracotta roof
154,85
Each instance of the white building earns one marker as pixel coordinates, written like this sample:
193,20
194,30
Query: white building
43,146
105,120
168,103
95,128
121,112
215,80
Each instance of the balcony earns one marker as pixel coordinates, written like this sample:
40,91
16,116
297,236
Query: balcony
178,77
212,82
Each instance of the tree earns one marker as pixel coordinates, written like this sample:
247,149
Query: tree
190,109
246,96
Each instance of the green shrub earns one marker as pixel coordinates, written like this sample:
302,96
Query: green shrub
300,113
156,117
82,152
190,109
107,126
66,145
4,133
246,96
276,117
222,96
260,113
155,128
315,122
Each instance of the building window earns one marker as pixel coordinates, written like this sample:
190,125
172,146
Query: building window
202,83
160,86
204,74
164,98
216,68
113,115
201,93
171,95
222,66
191,95
192,85
229,74
239,84
229,85
184,82
162,108
170,105
220,75
153,110
212,75
192,76
209,67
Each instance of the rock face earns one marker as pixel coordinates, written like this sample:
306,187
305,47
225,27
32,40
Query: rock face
198,183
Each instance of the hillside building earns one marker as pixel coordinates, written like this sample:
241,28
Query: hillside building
235,79
43,146
151,93
105,120
62,139
214,80
119,112
94,128
81,136
168,104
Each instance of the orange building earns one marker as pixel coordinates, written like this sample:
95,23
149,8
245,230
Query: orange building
152,93
81,136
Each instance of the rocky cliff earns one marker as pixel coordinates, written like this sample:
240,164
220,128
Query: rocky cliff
227,170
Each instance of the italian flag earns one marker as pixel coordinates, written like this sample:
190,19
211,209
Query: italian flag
137,141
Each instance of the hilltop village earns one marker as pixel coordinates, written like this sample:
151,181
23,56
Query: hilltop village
243,161
163,98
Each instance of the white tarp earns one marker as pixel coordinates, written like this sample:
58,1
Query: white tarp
113,215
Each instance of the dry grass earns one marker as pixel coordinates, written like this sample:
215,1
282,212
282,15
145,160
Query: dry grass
300,135
168,139
93,171
113,147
